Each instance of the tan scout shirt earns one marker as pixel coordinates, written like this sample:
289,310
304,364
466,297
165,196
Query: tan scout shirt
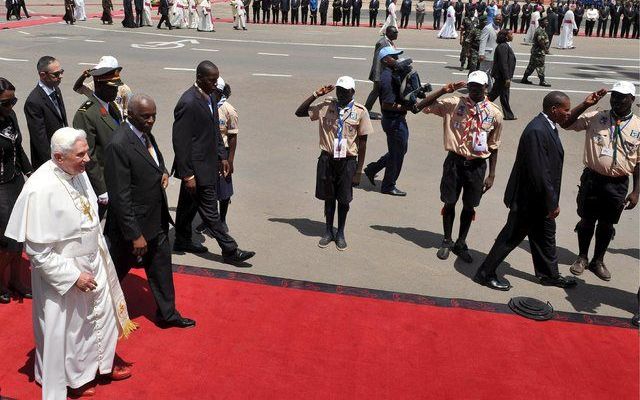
228,118
357,123
599,128
453,111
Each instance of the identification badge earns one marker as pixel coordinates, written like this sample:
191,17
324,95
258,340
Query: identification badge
635,134
339,148
606,152
480,142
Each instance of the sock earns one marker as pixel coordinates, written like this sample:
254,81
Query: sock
466,217
448,216
343,209
604,234
224,207
329,212
585,230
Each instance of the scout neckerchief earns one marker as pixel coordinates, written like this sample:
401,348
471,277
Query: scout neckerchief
474,118
221,102
343,114
616,133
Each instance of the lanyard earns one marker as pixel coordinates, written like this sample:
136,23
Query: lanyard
346,112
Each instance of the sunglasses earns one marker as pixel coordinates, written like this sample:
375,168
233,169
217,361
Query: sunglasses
57,73
9,102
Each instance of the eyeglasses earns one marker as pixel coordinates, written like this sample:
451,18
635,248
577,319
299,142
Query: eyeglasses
9,102
57,73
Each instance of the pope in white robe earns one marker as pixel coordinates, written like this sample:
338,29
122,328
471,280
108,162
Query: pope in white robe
179,12
241,19
392,19
78,306
193,14
533,25
146,13
79,13
565,40
204,16
448,31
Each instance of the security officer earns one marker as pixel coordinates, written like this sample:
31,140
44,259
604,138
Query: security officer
266,11
275,10
474,44
603,18
611,154
344,127
346,12
394,124
295,6
374,5
539,50
468,24
99,117
472,128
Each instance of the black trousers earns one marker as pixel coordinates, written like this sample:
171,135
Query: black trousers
164,18
602,26
305,14
373,18
276,16
256,15
139,17
285,16
294,16
355,18
626,28
404,20
204,202
513,23
542,239
500,89
436,19
373,96
346,16
525,22
588,28
157,267
613,28
458,21
323,18
266,16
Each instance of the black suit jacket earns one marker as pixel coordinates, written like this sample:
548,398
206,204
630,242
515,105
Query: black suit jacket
197,142
137,201
504,62
534,184
43,121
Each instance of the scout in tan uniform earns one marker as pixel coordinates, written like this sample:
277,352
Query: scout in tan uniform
344,126
228,120
472,127
611,154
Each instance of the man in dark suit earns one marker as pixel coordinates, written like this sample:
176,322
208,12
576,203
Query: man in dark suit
355,12
513,16
139,6
44,110
504,64
138,220
532,196
616,13
285,6
200,158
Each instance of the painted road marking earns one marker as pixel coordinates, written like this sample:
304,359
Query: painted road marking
205,50
274,75
274,54
350,58
12,59
179,69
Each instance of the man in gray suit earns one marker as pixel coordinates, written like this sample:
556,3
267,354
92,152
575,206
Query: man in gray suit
390,35
488,45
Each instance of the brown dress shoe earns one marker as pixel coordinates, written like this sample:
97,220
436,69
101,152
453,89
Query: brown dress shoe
579,265
601,271
86,390
120,372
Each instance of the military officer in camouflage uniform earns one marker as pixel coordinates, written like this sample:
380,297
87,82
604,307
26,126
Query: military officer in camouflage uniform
99,117
538,54
468,24
474,43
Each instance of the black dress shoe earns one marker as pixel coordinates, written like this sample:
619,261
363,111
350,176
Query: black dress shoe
444,250
341,243
492,282
325,240
189,247
559,281
177,323
526,81
510,119
374,115
461,250
370,175
636,319
545,84
395,192
238,256
5,298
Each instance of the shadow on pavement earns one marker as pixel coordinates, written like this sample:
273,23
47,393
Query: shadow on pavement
424,239
633,253
586,297
305,226
566,257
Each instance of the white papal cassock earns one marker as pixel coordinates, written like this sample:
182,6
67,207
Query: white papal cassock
75,331
204,16
448,30
565,40
146,14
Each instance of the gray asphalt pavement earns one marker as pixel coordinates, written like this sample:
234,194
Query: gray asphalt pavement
392,241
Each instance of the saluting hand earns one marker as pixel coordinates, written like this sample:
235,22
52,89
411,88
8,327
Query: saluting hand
631,200
595,97
452,87
324,90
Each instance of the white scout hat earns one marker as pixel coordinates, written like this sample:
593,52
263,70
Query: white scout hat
624,87
346,82
220,84
478,77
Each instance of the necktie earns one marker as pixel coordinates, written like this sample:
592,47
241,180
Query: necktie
150,148
54,98
115,113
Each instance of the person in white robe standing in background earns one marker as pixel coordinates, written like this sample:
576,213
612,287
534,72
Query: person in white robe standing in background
565,40
179,12
79,309
146,13
533,25
79,13
392,19
205,23
241,19
448,31
193,14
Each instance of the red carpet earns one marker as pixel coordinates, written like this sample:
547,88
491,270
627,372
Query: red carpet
260,341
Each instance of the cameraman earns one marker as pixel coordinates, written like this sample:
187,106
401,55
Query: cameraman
472,127
394,124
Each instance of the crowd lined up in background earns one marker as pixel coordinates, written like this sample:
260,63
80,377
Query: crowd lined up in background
619,17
